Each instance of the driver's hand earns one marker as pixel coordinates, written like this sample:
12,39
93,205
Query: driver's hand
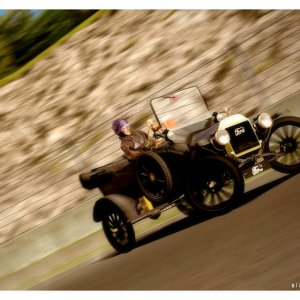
151,142
153,125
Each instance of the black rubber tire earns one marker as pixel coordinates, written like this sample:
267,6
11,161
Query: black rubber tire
214,184
285,131
153,176
118,230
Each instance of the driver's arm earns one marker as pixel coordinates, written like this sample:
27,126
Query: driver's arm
130,152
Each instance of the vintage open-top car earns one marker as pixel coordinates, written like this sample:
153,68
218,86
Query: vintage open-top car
195,159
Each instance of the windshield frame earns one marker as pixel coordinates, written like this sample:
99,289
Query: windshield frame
202,101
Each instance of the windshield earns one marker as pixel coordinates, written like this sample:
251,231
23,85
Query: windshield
179,109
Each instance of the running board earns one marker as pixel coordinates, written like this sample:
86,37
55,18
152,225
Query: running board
155,213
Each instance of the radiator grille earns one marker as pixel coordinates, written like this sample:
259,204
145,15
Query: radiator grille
242,137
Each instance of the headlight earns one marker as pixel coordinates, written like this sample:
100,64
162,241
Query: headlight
171,135
265,120
222,137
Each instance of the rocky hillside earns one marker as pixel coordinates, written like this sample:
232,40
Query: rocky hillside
55,120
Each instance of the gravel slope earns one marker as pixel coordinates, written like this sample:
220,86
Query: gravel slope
55,120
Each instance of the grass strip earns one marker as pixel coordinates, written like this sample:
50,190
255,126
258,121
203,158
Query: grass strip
145,226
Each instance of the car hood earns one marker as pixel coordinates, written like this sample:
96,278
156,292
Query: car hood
200,131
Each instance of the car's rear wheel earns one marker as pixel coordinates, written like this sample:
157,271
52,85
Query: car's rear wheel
284,139
118,230
214,184
153,176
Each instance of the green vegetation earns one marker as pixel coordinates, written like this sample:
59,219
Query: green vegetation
38,159
26,38
85,252
59,168
91,141
224,68
251,14
168,15
141,120
264,65
128,45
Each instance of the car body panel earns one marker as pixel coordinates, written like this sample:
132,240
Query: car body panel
185,112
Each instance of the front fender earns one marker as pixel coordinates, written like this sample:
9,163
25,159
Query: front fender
126,204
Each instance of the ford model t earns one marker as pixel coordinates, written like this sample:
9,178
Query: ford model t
199,162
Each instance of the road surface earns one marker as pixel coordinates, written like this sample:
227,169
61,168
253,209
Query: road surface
256,246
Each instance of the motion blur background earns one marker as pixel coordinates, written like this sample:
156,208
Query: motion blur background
60,91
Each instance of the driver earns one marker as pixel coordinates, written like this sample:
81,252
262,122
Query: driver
131,141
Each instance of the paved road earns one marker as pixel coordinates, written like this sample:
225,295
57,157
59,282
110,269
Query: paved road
256,246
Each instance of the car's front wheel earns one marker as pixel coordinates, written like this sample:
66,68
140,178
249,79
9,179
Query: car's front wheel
214,184
118,230
284,140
